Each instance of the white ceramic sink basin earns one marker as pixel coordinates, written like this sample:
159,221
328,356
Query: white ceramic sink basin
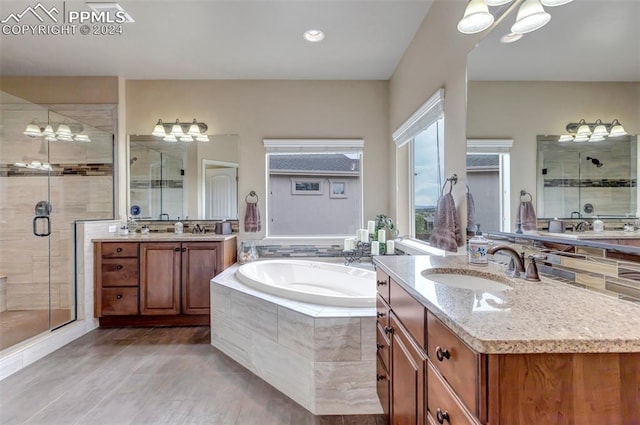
466,281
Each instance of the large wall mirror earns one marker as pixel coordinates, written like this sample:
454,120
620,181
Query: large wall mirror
531,89
196,180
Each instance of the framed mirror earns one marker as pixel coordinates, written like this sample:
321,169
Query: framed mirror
196,180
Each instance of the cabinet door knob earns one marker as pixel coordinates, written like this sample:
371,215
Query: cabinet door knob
379,346
442,416
118,249
118,266
388,330
442,353
176,249
380,314
380,378
119,297
381,282
184,249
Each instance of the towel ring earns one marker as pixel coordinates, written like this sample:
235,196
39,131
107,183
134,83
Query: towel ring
251,194
451,180
524,193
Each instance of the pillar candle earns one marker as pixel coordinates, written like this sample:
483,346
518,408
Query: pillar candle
352,244
371,227
391,247
375,248
382,236
347,242
363,235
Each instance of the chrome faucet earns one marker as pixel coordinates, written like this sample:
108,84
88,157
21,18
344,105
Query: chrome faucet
163,214
516,265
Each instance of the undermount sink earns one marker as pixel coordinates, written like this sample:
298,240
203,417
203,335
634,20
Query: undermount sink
466,281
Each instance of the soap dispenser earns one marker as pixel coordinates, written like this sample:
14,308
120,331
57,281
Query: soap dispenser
178,227
478,249
598,225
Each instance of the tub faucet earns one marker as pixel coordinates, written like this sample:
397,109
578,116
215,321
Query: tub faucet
164,214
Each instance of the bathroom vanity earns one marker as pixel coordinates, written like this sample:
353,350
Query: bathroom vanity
533,353
158,279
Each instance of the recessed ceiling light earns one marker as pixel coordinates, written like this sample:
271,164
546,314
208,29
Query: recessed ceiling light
313,36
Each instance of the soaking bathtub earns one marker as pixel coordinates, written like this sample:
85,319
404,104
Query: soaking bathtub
311,281
273,317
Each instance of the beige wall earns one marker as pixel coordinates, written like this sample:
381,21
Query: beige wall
255,110
435,58
521,110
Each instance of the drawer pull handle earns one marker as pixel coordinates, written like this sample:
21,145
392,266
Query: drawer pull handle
442,354
118,266
119,297
442,416
381,282
380,314
118,249
380,378
388,330
379,346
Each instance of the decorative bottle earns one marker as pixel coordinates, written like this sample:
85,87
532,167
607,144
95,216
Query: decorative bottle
178,227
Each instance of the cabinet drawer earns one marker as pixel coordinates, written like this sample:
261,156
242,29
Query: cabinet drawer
119,249
383,345
410,312
382,283
119,301
382,311
442,405
382,386
458,364
120,272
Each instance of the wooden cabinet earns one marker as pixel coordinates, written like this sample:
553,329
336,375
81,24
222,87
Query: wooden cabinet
408,362
435,378
158,283
160,273
116,279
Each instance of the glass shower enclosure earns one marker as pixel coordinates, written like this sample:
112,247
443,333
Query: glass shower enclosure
46,185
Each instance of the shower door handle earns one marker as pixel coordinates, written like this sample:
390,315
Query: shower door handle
47,226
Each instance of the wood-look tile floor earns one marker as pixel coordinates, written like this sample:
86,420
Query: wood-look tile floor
155,376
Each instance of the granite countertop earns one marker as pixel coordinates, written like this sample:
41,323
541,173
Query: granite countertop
591,235
532,317
159,237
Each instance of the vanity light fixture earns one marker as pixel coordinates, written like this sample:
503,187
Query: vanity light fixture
597,131
530,16
65,131
184,132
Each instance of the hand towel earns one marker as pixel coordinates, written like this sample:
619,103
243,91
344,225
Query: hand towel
527,216
252,218
446,233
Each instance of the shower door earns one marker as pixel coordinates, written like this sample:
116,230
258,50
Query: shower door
45,186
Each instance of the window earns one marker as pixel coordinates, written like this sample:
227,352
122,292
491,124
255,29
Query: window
314,187
424,134
426,158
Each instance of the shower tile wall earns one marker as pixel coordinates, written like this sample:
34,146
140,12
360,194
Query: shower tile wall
607,188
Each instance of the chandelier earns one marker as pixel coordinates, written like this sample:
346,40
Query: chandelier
55,131
184,132
583,131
